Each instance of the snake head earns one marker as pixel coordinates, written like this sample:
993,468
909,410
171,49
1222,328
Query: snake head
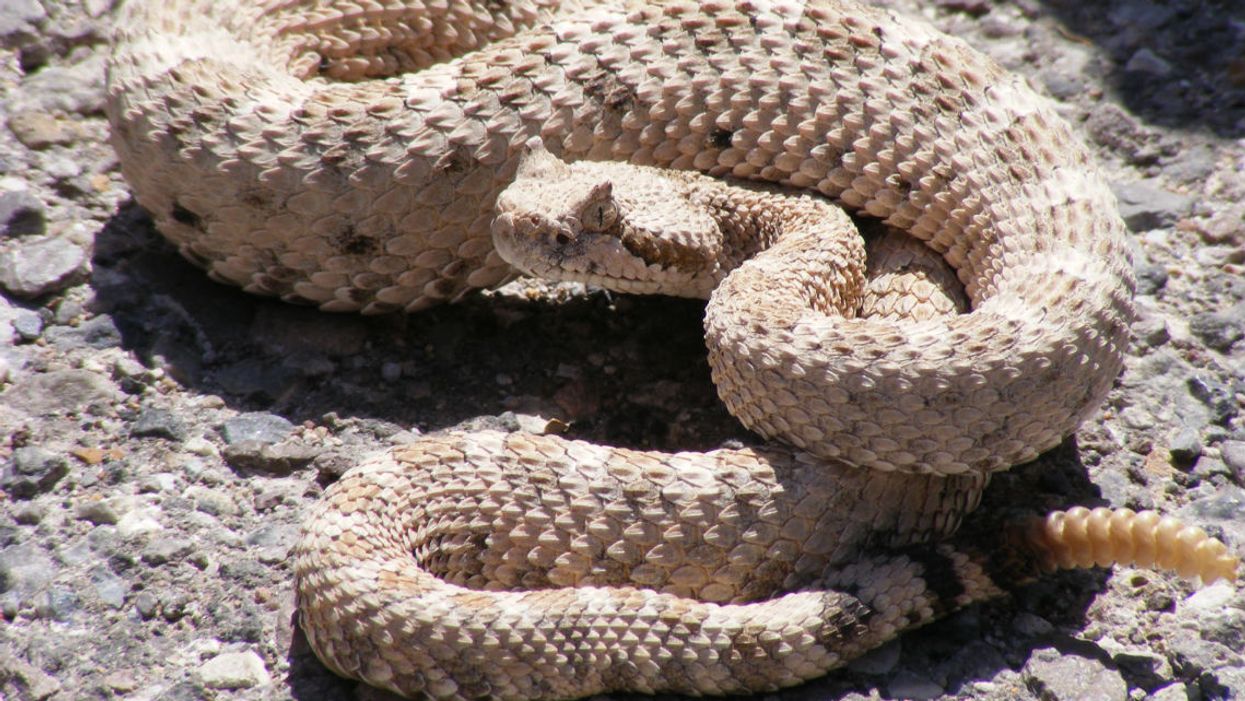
619,226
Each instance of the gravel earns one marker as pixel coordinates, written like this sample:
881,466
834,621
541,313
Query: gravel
161,436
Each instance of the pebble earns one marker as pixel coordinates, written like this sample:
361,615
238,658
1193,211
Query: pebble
1146,205
907,685
32,471
1057,677
211,501
1219,330
21,214
20,17
1215,396
164,550
1185,446
275,459
77,88
1150,278
24,570
39,130
158,423
139,522
102,511
44,265
1148,62
109,588
234,670
98,332
32,683
1233,455
256,426
28,324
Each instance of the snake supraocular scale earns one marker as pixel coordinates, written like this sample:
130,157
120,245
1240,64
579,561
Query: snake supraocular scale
351,154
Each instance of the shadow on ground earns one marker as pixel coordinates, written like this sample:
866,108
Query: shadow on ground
1176,64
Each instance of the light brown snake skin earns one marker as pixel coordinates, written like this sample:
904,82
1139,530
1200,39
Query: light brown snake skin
338,153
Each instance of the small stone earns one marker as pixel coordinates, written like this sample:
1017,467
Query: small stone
110,588
39,130
234,670
1216,396
164,550
44,265
100,511
29,513
906,685
21,214
28,324
211,501
33,683
1146,61
158,423
1233,454
279,459
257,426
139,522
1219,330
1150,278
20,16
122,681
57,604
1185,447
24,570
147,605
1145,205
74,89
98,332
1058,677
32,471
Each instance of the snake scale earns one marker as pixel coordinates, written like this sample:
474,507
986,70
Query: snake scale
351,154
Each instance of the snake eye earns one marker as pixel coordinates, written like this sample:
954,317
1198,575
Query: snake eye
600,212
562,239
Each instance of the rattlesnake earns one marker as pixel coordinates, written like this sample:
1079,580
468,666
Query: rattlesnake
351,155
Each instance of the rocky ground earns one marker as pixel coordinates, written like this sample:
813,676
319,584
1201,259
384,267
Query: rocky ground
160,436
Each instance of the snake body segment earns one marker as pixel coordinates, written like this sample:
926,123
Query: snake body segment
351,155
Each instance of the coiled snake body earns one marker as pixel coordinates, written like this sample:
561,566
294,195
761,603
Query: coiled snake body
351,154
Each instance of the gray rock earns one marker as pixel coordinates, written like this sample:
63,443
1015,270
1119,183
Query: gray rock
100,511
1215,396
1233,454
1150,278
44,265
1185,446
1148,62
21,680
907,685
38,130
146,605
256,426
98,332
20,17
276,459
1057,677
28,324
21,214
1228,683
211,501
1219,330
76,89
32,471
108,587
234,670
57,604
24,570
1145,205
158,423
164,550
